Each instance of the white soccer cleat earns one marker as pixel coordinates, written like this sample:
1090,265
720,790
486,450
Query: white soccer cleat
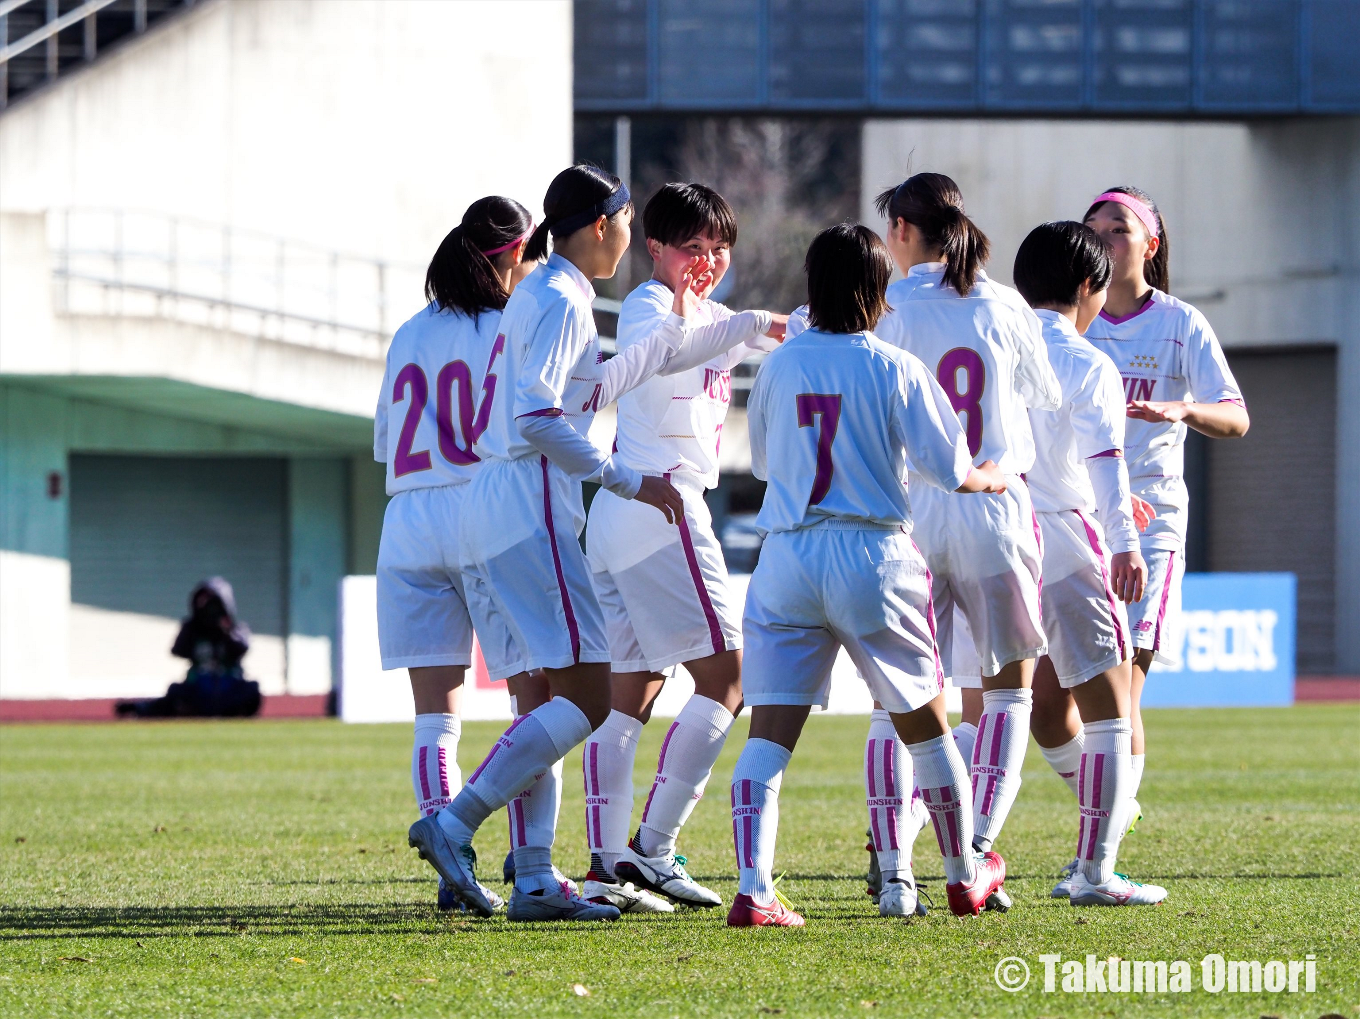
666,876
623,896
1068,877
559,903
455,864
1118,891
899,897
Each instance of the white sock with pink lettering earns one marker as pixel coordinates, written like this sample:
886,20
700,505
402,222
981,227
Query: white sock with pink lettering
1065,760
1106,773
756,779
434,761
533,744
607,772
888,780
943,781
688,753
998,756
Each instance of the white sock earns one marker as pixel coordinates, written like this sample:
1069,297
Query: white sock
533,828
1105,778
998,756
888,780
755,815
533,744
607,770
943,781
688,753
434,761
1136,766
1065,760
965,735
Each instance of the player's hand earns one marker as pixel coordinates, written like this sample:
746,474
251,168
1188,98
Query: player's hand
778,327
1143,514
1129,575
1156,411
986,477
692,281
663,495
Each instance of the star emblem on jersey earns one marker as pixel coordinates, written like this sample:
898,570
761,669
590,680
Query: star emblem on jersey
1143,361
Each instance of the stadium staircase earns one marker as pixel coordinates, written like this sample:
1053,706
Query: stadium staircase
43,40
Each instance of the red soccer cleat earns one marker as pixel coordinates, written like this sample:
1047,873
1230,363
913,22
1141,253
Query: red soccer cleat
746,912
968,900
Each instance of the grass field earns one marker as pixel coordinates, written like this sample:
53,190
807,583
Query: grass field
261,869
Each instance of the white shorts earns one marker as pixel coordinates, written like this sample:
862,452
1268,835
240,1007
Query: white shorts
818,589
1088,628
958,653
1155,622
663,588
985,554
523,568
423,616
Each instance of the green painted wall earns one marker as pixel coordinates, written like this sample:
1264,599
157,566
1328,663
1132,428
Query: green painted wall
335,494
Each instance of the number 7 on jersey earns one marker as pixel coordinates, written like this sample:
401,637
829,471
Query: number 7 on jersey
828,405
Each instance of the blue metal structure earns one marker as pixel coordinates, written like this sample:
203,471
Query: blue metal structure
1216,58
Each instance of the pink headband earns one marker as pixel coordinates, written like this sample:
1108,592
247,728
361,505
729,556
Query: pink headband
515,243
1139,208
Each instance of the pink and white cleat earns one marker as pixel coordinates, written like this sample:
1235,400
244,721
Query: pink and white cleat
969,900
746,912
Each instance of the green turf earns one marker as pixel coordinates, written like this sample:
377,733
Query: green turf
261,869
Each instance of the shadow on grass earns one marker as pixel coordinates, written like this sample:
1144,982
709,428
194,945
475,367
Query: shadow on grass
136,922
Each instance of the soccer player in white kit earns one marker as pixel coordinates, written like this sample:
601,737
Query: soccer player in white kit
1175,377
1092,564
664,588
833,417
427,419
983,344
523,568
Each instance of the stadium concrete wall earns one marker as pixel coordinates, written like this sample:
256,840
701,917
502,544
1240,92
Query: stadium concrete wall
364,128
1264,223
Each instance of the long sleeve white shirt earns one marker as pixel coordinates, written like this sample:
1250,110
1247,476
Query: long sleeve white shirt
1079,461
673,421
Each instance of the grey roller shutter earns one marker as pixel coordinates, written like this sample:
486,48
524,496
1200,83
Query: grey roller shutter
146,529
1272,494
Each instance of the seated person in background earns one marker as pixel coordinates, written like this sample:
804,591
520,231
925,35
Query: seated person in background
214,642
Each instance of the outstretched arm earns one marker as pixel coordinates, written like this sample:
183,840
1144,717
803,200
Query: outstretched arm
1226,420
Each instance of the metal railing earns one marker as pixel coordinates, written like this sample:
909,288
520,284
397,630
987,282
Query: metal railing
149,264
95,24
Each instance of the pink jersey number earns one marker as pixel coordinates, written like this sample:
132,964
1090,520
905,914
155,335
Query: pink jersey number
967,400
406,462
828,405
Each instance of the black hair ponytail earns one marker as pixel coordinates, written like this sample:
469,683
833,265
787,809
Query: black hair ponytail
1157,269
933,204
577,197
461,276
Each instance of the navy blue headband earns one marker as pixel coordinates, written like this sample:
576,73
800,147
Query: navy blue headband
605,207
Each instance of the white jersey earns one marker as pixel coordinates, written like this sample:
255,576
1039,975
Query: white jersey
673,422
552,358
833,418
987,353
436,395
1165,351
1089,424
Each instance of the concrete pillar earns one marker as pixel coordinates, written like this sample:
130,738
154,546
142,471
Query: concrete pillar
318,497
